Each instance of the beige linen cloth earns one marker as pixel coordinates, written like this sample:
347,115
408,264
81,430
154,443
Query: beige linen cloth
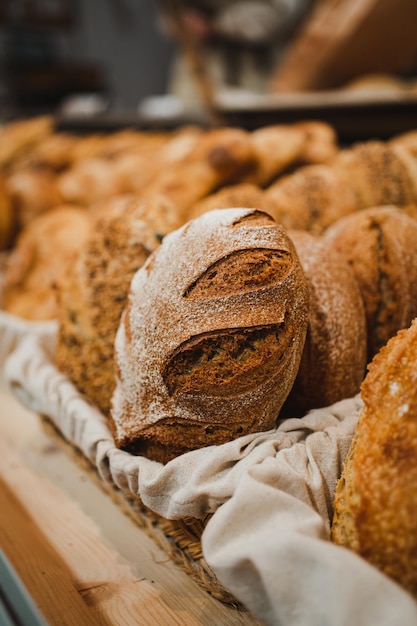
270,495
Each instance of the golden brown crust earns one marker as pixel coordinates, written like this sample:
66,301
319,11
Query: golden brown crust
89,181
334,356
44,252
33,192
219,157
369,174
22,135
275,149
378,173
320,141
379,244
311,198
212,336
375,500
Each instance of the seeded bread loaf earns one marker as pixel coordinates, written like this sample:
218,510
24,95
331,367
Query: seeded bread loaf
334,356
124,232
212,335
375,506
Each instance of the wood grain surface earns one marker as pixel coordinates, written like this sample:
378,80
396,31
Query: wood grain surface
81,559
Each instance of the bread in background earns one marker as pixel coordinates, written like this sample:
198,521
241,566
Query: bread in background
372,173
33,192
45,251
379,243
334,356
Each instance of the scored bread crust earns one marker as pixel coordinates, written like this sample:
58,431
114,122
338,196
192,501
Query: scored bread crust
211,337
375,505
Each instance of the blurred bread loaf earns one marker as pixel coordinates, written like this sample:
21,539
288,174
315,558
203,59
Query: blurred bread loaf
212,335
334,357
379,243
45,251
19,136
33,192
221,156
375,505
372,173
124,232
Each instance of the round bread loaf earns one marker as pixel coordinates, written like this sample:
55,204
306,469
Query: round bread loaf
92,297
380,245
375,505
212,335
334,356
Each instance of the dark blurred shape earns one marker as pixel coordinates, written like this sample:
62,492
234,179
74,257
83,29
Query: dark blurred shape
37,76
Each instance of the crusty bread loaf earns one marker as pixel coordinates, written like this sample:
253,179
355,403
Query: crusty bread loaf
380,245
334,356
375,505
211,337
311,198
372,173
123,233
45,251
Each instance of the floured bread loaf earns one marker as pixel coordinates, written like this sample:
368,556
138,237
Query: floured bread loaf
380,245
334,356
376,498
211,337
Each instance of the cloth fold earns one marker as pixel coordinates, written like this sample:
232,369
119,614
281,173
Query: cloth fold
269,545
270,496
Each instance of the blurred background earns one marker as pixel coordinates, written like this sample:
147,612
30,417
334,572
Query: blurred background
169,56
51,49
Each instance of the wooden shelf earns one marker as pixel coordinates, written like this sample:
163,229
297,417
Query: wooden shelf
81,558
